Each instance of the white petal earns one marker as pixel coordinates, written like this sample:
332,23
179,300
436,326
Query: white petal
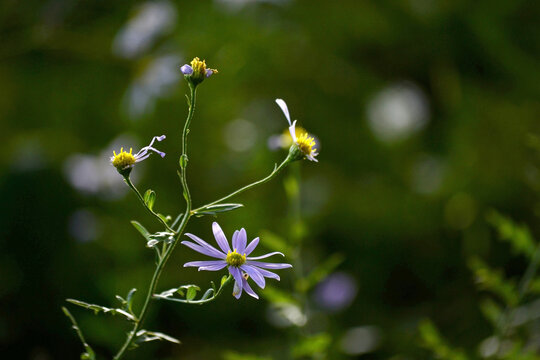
292,130
284,108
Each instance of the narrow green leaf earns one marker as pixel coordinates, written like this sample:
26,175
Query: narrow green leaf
98,308
149,198
129,299
175,222
166,218
146,336
141,229
320,272
191,292
207,294
218,208
183,161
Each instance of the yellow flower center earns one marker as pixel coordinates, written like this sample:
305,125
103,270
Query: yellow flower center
123,159
199,68
235,259
306,143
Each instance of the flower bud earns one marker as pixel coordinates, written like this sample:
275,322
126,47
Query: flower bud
197,71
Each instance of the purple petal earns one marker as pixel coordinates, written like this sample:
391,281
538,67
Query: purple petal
158,138
284,108
252,245
205,263
209,72
213,267
210,249
248,289
268,274
254,274
143,153
234,240
265,256
141,158
220,238
235,272
268,265
203,250
186,69
239,241
237,290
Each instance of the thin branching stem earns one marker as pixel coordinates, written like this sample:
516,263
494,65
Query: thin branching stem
276,170
89,351
134,188
185,218
181,227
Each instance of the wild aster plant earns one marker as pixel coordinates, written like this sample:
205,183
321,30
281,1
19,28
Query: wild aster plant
240,265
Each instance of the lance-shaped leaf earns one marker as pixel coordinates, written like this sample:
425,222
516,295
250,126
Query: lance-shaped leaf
218,208
189,291
166,236
98,308
145,336
158,237
141,229
127,302
150,198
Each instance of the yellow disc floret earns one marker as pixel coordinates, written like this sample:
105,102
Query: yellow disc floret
123,159
306,143
200,71
235,259
198,66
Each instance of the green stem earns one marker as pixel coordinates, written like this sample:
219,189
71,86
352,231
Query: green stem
130,184
75,326
163,260
200,301
247,187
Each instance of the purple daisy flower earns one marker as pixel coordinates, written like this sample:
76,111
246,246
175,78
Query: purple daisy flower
240,265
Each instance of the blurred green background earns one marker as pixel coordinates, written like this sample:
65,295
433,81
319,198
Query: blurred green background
422,110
